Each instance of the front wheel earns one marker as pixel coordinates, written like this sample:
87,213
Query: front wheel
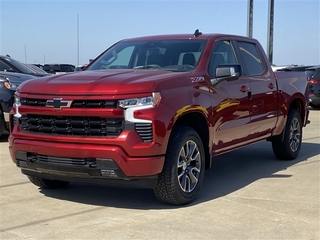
45,183
287,145
183,171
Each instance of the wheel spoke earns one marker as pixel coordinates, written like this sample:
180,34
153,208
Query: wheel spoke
189,165
295,135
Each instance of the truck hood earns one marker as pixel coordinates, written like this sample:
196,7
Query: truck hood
95,82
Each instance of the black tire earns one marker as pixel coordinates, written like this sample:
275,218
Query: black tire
286,146
183,171
45,183
2,123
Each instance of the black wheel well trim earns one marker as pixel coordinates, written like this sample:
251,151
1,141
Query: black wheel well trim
198,122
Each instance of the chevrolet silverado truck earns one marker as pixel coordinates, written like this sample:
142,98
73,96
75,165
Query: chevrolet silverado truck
154,111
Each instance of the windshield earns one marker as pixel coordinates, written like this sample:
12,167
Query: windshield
172,55
22,67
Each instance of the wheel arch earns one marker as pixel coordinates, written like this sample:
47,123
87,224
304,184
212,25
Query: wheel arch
298,105
198,122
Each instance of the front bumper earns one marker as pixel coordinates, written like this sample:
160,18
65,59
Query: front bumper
98,163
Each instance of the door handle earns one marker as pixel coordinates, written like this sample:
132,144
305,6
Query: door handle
244,89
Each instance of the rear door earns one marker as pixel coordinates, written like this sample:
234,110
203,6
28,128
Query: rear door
263,89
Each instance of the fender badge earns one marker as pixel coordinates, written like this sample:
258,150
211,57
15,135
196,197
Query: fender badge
197,79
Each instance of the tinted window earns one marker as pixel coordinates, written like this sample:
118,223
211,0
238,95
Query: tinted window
4,66
251,58
222,54
20,66
316,75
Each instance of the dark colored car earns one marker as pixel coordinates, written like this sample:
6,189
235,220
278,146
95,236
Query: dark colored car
294,69
314,86
8,64
58,68
37,69
38,65
9,81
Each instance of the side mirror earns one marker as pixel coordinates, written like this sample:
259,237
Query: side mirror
229,72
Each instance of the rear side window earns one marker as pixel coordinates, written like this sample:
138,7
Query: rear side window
251,57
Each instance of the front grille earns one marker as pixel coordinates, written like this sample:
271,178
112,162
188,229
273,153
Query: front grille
75,104
145,131
71,125
33,102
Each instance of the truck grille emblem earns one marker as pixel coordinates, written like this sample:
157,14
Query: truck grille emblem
57,103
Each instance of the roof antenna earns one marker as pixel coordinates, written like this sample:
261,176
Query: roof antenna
197,33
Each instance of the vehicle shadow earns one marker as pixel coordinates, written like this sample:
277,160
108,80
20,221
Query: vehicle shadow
230,172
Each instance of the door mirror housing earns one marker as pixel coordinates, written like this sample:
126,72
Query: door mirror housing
229,72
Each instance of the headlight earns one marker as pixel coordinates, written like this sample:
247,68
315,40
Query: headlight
17,101
9,85
139,102
134,104
17,104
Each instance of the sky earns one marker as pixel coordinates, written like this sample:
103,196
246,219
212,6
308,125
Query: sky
71,31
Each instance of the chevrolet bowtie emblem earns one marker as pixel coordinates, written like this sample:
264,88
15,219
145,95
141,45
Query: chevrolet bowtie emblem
58,103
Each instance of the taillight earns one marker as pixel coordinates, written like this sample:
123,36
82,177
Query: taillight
314,81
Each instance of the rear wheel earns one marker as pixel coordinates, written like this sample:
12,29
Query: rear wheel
45,183
287,145
184,166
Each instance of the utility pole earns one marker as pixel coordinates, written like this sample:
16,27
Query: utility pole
78,38
270,31
250,19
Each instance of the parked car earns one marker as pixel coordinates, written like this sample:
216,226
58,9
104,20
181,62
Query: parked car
38,65
37,69
313,74
9,81
8,64
294,68
154,111
80,67
58,68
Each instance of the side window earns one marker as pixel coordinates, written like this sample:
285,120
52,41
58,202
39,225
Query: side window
4,66
251,57
222,54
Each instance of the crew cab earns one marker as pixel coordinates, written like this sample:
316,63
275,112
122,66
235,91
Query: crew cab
154,111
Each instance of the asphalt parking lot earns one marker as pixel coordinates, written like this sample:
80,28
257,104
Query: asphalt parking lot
248,194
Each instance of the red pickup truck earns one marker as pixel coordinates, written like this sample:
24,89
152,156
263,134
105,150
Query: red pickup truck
154,111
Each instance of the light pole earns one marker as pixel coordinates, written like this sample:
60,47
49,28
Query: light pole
270,31
250,18
78,38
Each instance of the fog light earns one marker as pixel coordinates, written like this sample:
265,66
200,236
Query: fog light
108,173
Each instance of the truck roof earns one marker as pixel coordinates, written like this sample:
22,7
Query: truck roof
184,36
